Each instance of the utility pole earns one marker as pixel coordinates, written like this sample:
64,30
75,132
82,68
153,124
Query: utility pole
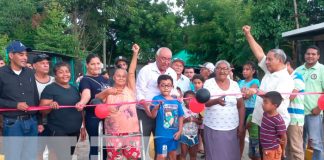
104,50
296,44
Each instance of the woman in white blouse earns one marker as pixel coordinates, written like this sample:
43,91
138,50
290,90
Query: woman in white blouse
224,116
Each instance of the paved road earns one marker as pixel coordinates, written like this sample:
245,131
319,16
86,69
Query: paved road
82,151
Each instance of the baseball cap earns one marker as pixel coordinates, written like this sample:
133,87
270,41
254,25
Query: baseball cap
120,58
210,66
17,47
178,60
40,57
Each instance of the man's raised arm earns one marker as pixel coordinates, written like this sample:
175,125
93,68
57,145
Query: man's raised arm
255,47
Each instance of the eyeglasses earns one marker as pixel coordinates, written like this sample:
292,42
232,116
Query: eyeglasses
166,86
222,69
164,59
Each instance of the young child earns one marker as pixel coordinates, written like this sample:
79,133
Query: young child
249,81
169,119
273,137
189,137
198,82
254,149
249,70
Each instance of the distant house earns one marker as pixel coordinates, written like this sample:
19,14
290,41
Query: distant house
313,34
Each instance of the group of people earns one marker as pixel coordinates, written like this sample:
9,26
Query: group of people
279,124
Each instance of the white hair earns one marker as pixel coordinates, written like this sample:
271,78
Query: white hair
160,49
222,61
279,54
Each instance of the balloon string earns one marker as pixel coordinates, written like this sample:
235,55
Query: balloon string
41,108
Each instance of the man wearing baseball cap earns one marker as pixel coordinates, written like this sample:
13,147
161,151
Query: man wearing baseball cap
18,91
207,69
182,81
121,62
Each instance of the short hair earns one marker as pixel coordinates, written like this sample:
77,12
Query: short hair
198,76
222,61
274,97
90,57
189,92
121,70
314,47
188,67
160,49
104,72
289,60
279,54
164,77
58,65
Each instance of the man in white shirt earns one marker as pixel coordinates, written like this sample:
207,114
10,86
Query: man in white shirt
41,65
147,87
182,81
276,78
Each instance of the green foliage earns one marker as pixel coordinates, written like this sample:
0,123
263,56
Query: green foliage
16,20
4,40
214,30
151,25
52,34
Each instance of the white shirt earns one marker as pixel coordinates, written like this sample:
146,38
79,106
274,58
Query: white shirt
279,81
41,86
219,117
146,82
184,83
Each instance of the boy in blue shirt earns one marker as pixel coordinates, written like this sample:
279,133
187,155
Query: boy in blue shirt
169,119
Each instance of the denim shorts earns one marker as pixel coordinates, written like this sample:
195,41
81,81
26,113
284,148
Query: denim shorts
254,148
189,140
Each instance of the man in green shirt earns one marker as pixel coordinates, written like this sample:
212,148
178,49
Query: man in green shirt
313,74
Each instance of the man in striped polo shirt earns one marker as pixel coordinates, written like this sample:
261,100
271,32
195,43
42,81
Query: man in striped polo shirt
273,136
296,110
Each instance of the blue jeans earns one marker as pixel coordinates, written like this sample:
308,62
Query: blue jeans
20,138
313,133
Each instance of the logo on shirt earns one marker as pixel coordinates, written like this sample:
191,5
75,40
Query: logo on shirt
314,76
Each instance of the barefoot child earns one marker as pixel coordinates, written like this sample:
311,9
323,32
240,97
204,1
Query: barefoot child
169,119
189,137
273,137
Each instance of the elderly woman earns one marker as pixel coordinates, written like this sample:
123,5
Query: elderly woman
122,119
61,122
224,116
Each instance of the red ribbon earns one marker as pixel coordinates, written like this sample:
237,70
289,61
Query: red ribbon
40,108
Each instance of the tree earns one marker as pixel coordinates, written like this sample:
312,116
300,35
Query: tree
214,29
53,33
151,25
16,20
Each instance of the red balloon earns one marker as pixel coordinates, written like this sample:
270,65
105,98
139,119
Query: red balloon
195,106
101,111
320,102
